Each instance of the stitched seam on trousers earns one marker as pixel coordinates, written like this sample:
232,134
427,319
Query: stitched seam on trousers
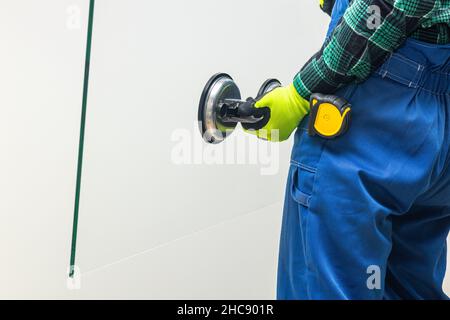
438,74
418,77
413,82
402,58
298,195
308,252
387,65
304,166
309,259
401,80
306,212
435,93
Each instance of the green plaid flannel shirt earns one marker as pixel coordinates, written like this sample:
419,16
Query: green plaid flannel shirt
358,47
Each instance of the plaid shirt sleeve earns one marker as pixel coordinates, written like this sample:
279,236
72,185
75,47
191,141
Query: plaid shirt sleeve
357,47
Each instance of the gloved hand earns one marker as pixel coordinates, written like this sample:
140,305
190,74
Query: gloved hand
287,109
327,6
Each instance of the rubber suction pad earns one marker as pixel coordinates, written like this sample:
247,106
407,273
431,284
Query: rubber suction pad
268,86
219,88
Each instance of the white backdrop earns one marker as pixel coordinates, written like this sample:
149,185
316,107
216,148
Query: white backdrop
149,226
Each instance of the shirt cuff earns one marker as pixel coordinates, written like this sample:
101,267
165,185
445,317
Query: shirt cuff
315,77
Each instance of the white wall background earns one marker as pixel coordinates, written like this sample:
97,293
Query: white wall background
148,228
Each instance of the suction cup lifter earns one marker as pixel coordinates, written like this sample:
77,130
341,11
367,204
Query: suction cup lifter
239,111
221,108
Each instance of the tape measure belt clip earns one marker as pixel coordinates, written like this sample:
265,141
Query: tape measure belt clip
329,116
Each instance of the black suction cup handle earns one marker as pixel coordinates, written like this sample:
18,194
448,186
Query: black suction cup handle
257,117
246,113
247,109
262,113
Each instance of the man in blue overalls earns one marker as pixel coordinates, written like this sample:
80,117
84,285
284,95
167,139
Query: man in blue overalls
367,214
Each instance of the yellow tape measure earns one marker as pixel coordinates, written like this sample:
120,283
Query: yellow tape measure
330,116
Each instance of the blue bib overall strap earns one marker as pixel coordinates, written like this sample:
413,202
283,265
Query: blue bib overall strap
338,11
367,215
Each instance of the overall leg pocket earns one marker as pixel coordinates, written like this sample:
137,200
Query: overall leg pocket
301,191
302,183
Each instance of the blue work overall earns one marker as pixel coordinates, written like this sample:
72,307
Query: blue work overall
367,214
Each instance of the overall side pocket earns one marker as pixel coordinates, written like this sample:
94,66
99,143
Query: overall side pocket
302,184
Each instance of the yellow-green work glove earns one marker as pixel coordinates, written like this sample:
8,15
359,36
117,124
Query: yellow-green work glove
287,109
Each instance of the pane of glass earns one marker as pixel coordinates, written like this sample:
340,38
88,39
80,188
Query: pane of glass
41,63
150,62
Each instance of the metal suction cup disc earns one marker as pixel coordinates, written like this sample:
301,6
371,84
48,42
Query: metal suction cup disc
220,87
268,86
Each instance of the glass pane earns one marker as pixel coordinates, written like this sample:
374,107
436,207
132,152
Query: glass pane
41,65
149,65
